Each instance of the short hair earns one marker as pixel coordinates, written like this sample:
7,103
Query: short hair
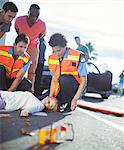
35,6
76,37
57,39
10,6
22,38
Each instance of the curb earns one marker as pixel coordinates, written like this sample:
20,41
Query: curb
100,108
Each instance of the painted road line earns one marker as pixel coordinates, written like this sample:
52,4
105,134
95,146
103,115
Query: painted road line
101,108
116,126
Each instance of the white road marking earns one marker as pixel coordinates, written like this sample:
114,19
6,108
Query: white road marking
116,126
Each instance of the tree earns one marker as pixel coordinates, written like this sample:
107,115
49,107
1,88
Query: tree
93,53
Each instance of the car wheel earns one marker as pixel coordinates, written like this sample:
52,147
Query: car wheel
105,96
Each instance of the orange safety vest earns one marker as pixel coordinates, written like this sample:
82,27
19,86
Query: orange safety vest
68,66
12,66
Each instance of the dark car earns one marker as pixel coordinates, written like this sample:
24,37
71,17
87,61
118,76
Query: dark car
97,82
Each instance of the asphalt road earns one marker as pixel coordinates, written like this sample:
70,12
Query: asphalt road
93,131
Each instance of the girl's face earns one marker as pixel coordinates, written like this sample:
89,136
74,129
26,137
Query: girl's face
50,103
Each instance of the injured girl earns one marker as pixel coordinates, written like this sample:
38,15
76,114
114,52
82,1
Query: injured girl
26,102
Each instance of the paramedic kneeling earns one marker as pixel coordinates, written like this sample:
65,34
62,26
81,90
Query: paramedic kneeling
14,62
69,73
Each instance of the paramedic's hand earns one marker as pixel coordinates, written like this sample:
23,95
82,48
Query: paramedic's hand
24,113
73,104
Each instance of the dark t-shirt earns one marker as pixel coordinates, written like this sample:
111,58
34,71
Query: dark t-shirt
83,49
5,27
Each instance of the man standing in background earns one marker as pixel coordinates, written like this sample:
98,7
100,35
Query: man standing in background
7,14
121,82
35,28
82,48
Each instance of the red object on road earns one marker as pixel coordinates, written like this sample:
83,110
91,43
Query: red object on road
101,108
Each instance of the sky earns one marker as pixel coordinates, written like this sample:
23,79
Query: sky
98,21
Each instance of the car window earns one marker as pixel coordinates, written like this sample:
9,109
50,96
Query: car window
92,68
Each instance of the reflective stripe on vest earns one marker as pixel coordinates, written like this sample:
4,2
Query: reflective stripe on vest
70,73
53,62
5,53
72,58
24,59
12,67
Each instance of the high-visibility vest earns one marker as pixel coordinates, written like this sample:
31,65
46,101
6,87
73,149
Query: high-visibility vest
67,66
12,66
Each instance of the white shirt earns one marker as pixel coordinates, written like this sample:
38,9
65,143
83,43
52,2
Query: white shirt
22,100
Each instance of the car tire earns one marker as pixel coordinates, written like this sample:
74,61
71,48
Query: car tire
105,96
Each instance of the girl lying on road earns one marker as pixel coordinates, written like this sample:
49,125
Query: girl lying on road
26,102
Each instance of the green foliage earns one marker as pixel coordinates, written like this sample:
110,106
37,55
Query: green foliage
93,53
